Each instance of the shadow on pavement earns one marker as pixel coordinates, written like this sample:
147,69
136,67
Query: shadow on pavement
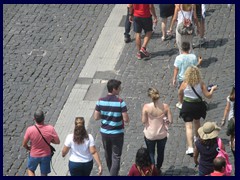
185,171
207,62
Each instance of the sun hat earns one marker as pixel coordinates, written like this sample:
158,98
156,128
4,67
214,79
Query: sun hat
209,130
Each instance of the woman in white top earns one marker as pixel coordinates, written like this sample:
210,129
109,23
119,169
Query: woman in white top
156,117
82,151
229,111
192,107
184,11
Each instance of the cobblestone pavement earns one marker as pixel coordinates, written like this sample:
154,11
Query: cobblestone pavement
218,67
45,48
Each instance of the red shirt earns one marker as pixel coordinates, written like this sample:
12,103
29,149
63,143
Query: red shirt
141,10
135,172
216,173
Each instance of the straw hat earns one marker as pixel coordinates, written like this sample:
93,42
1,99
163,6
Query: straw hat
208,131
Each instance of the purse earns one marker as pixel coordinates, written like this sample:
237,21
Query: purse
51,147
186,27
205,104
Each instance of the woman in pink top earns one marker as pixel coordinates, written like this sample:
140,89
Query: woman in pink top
156,116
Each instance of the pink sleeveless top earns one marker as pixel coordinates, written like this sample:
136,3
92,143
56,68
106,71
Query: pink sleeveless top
156,128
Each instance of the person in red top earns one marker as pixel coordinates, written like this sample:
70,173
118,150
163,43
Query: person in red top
141,16
143,165
219,165
40,152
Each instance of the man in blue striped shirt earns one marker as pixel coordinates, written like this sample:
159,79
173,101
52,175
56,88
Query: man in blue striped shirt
112,111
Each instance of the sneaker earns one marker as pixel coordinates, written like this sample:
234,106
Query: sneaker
179,105
127,39
139,55
144,51
189,151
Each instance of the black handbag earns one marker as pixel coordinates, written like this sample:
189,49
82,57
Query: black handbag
51,147
205,104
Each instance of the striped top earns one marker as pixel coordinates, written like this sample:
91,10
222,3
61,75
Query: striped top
111,108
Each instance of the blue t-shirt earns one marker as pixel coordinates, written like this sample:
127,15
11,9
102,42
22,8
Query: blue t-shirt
182,62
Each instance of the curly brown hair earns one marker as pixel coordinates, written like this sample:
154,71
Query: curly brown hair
80,133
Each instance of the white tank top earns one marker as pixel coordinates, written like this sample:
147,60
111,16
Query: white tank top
187,14
188,92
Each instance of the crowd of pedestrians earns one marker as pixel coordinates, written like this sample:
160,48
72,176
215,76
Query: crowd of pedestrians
112,111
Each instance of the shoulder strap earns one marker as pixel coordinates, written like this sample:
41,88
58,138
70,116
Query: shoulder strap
42,136
219,141
196,93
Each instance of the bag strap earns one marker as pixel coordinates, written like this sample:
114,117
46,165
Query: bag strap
182,11
48,145
219,141
196,93
42,136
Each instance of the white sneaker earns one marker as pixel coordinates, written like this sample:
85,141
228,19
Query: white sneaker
179,105
189,151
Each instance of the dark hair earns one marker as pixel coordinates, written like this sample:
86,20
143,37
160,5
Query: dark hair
113,84
219,163
143,158
39,116
185,46
80,133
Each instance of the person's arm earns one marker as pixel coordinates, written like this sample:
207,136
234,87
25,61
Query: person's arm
95,155
25,144
97,115
195,19
175,73
125,117
55,139
180,92
153,13
199,61
144,114
130,12
195,156
205,91
174,19
226,111
169,113
65,150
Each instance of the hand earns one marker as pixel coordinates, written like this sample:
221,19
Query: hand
214,88
131,19
200,59
223,122
100,170
155,20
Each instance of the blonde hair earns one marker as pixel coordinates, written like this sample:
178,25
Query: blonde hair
192,76
153,94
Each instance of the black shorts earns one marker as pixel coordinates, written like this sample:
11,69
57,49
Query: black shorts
166,10
140,24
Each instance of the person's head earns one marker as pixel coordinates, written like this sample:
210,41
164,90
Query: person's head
219,164
232,94
209,130
186,47
80,132
143,158
153,94
39,116
113,86
192,76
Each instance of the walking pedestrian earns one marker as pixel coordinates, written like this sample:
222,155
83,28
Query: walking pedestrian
184,13
192,106
143,165
206,146
200,11
82,150
141,16
40,152
112,111
156,117
127,37
182,62
166,10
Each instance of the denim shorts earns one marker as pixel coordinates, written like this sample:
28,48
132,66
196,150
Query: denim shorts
43,161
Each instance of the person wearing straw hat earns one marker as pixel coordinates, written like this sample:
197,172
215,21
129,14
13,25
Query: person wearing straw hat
206,146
